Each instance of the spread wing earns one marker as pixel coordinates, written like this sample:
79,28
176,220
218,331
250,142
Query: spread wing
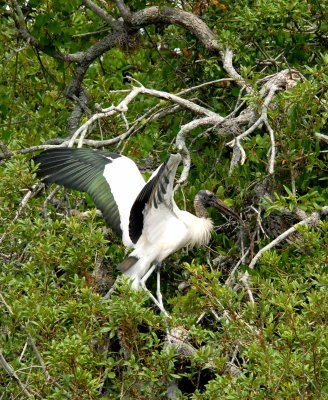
112,180
157,194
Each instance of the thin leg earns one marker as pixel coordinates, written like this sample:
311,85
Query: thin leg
158,289
144,279
159,301
109,293
111,290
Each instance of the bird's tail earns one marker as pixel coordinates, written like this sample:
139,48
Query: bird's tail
127,264
135,268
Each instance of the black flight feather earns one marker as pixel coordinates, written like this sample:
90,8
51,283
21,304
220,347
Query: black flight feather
136,213
82,169
153,193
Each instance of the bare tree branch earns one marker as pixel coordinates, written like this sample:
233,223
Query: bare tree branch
26,35
10,371
102,14
283,80
123,9
164,15
227,55
311,220
181,142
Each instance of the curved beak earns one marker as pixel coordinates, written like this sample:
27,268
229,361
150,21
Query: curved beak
224,209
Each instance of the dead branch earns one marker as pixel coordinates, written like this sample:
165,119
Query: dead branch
181,142
122,32
227,56
312,220
11,372
282,80
170,16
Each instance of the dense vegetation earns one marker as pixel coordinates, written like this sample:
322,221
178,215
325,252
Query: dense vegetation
242,324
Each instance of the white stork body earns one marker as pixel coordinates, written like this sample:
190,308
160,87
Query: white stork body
143,214
164,233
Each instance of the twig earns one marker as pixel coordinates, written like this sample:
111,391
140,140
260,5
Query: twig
312,220
184,91
112,110
9,154
228,282
102,13
38,355
48,200
258,221
262,119
238,155
13,374
182,102
181,142
228,66
251,129
273,147
283,80
31,193
23,352
244,279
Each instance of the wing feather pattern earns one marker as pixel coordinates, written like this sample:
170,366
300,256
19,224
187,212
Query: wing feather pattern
158,190
83,170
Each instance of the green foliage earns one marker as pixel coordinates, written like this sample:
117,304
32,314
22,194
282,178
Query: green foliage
93,348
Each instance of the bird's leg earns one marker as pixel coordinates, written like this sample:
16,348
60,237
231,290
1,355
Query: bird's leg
159,303
144,279
109,293
158,288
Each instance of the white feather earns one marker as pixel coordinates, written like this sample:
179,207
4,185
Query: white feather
126,182
199,229
164,233
166,229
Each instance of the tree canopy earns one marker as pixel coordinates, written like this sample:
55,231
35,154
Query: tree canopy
239,89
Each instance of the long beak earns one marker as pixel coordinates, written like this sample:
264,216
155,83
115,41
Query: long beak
225,210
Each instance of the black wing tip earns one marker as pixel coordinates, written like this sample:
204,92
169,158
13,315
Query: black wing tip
67,152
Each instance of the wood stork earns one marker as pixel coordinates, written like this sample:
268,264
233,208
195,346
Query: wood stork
144,215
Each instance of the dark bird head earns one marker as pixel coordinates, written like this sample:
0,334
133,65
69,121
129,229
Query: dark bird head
205,199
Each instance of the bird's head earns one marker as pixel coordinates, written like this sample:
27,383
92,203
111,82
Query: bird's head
206,198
